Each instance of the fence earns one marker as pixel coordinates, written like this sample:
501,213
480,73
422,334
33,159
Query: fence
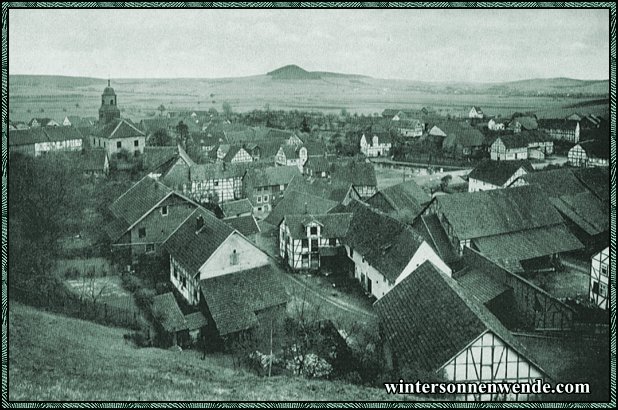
64,302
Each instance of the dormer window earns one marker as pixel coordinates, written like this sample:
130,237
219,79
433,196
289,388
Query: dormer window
164,210
313,230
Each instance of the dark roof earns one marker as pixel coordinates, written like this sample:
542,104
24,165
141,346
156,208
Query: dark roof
119,128
334,225
387,244
358,173
62,133
290,151
315,148
204,172
498,211
191,246
522,139
231,153
149,125
272,176
139,199
155,157
331,189
461,134
234,299
166,311
246,225
596,179
498,172
43,134
427,319
585,210
233,208
296,203
318,164
431,230
482,286
555,182
557,124
527,122
405,196
596,148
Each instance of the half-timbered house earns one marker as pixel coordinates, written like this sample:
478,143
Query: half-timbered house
403,201
475,112
523,145
589,154
361,175
428,322
558,129
42,140
496,174
599,279
375,144
264,187
289,155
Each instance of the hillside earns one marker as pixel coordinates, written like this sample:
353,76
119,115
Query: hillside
53,357
293,72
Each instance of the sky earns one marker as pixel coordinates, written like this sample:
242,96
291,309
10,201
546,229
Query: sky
423,45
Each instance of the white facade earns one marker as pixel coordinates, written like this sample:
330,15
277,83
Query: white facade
475,185
48,146
374,282
495,126
375,148
490,360
599,279
474,113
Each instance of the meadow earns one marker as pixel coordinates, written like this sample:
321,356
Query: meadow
56,97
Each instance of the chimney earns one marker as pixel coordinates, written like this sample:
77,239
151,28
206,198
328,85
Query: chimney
199,223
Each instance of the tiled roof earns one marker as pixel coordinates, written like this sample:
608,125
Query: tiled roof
155,157
318,164
405,196
458,133
498,211
43,134
191,246
527,122
331,189
555,182
272,176
358,173
522,139
204,172
387,244
557,124
234,299
296,203
166,311
246,225
596,148
585,210
596,179
119,128
233,208
290,151
139,199
431,230
334,225
498,172
428,318
62,133
482,286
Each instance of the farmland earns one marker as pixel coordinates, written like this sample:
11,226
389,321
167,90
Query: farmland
55,97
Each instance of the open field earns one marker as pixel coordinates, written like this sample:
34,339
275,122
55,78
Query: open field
52,357
55,97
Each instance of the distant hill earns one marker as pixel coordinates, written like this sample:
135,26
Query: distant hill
293,72
555,86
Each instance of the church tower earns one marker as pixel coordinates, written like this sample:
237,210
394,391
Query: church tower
109,106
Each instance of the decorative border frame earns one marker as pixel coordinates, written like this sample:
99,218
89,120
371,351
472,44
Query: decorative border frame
394,404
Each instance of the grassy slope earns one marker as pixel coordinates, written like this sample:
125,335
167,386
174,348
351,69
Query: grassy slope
57,358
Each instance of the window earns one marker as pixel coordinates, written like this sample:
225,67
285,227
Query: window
602,289
305,243
595,287
216,183
104,144
281,187
136,143
351,252
234,258
259,199
150,248
111,102
141,232
332,241
259,209
603,270
164,210
313,230
119,144
265,198
183,282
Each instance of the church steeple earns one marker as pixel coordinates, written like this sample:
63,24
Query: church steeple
109,105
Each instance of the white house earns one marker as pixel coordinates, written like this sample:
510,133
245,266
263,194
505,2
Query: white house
494,125
589,154
290,154
496,174
475,112
599,279
376,145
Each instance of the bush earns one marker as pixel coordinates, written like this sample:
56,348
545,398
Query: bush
144,297
131,282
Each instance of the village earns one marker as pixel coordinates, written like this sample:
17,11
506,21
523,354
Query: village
435,242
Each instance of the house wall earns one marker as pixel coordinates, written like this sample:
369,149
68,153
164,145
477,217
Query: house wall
299,256
422,254
220,263
365,273
475,185
68,145
23,149
365,191
158,226
242,156
599,279
374,148
227,189
498,151
489,359
111,144
186,282
577,156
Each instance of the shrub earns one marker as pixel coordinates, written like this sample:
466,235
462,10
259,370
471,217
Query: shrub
144,297
131,282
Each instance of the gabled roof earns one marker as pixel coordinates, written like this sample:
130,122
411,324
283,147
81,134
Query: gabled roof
334,225
585,210
527,122
557,124
428,319
405,196
431,230
119,128
43,134
290,151
139,199
272,176
522,139
231,153
192,247
331,189
596,179
246,225
498,172
204,172
62,133
318,164
386,244
233,208
234,299
155,157
461,133
596,148
555,182
498,211
166,311
297,203
358,173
